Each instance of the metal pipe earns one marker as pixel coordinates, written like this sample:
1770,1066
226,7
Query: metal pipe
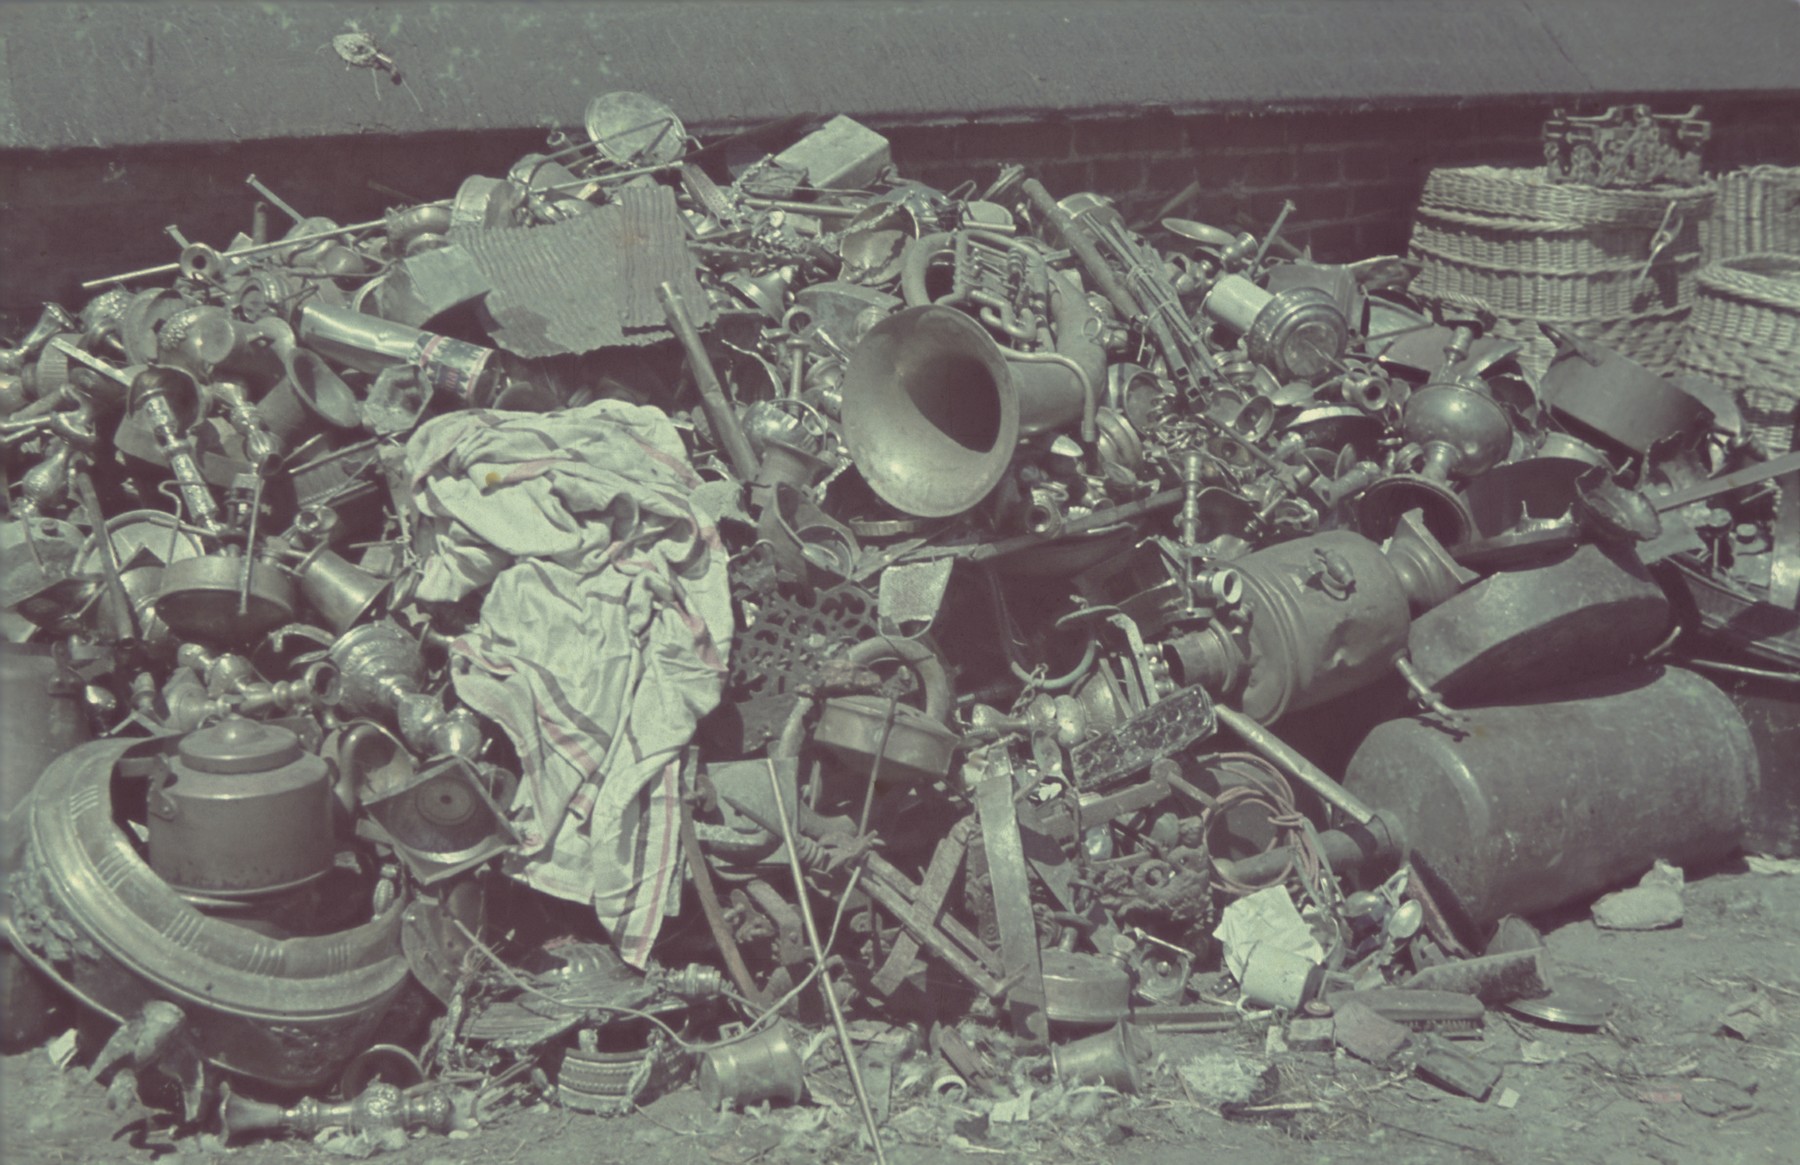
723,420
1342,851
279,202
1277,752
1112,515
805,207
109,554
1082,244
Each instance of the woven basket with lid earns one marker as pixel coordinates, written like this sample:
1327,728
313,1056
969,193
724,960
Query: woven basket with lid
1745,333
1758,212
1617,266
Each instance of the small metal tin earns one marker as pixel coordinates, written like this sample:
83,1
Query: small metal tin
1082,988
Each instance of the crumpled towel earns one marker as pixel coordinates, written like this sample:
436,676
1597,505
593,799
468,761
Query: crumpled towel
602,635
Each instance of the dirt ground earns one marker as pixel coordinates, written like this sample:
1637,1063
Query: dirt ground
1700,1063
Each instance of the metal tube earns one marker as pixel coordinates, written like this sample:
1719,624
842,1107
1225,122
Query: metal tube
728,433
1082,244
1342,852
805,207
1112,515
279,202
1278,753
109,554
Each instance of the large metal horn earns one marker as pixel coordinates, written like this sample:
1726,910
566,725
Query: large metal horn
930,412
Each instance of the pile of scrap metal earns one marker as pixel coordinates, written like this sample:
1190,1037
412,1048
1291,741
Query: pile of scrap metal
943,604
1625,148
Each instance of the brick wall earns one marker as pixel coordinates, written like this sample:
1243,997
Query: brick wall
1352,175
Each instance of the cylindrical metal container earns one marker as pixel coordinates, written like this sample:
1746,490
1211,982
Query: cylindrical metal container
245,811
1328,613
766,1066
1109,1058
1531,806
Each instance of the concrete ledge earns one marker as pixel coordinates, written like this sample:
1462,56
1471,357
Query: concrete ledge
109,74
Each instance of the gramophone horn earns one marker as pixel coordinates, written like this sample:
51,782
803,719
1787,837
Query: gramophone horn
930,412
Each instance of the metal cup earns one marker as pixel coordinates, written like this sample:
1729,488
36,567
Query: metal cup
764,1067
1109,1058
339,590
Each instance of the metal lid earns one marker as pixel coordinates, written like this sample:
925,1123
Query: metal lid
240,746
1575,1001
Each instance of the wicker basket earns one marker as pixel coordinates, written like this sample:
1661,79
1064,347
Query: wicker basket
1616,266
1758,212
1561,270
1745,334
1504,193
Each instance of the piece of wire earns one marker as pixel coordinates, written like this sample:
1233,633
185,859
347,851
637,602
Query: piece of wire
1269,789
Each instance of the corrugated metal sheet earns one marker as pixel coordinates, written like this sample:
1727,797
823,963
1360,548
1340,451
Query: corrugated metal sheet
589,282
100,74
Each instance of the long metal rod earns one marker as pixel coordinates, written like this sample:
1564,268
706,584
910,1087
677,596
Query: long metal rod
727,432
1726,482
820,209
109,554
1098,519
818,950
1082,244
1279,753
275,199
261,248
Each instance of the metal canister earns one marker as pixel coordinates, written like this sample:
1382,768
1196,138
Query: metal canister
245,811
1327,614
1109,1058
1527,807
766,1066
